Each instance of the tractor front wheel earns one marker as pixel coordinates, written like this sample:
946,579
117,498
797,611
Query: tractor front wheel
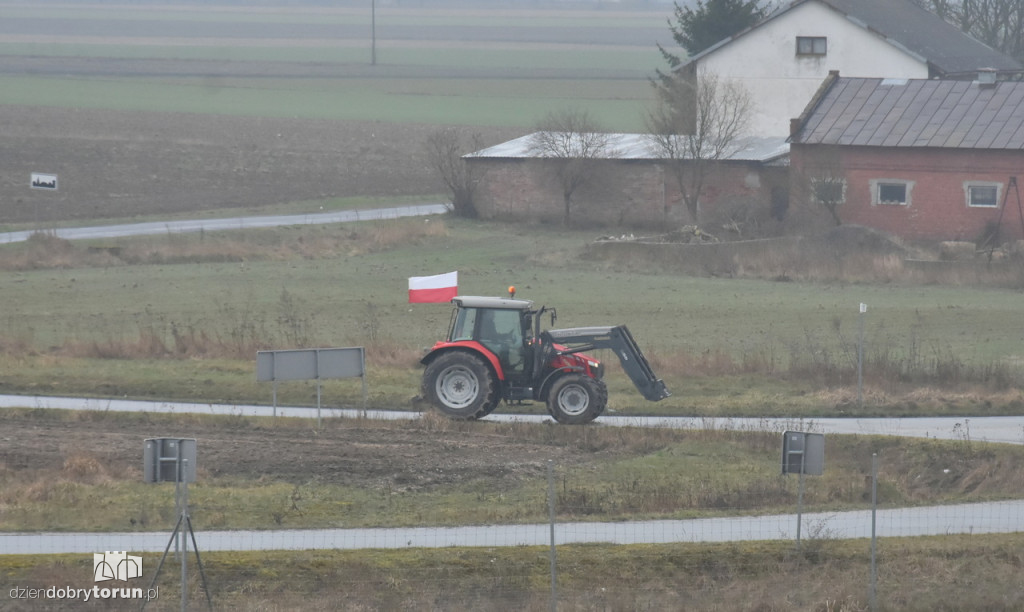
461,385
575,399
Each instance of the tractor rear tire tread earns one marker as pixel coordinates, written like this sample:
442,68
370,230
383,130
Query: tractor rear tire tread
444,385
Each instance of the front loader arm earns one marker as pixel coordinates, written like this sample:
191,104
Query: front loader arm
619,340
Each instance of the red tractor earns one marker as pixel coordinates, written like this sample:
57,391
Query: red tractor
495,350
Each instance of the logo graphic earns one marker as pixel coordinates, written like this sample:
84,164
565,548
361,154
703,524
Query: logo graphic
115,565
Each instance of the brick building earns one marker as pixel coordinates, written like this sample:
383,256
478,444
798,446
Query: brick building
631,188
921,159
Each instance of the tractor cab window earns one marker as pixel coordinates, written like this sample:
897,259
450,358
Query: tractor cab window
463,325
501,331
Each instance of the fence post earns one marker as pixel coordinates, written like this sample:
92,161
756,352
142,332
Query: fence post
551,520
860,355
873,593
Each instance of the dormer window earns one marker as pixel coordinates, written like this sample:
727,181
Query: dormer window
811,45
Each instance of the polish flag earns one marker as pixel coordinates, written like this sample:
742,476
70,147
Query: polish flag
439,288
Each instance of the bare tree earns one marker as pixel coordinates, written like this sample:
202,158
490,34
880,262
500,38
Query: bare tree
444,150
997,23
696,121
822,180
572,144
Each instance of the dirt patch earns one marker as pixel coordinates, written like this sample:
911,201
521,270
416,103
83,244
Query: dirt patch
126,163
400,455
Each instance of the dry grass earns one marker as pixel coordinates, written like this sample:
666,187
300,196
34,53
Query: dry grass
847,254
44,250
915,574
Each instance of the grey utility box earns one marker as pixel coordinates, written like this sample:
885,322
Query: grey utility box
803,453
169,460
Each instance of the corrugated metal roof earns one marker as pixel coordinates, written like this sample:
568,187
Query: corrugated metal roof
639,147
917,113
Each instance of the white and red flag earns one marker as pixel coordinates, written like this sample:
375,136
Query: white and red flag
437,288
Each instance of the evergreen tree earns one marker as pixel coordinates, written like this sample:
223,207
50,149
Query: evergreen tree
697,28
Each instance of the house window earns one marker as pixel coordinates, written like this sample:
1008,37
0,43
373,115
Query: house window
982,195
811,45
894,193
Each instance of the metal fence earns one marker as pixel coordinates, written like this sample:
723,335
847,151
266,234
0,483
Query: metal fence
876,556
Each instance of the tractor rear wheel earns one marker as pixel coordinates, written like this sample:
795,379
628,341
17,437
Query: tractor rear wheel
461,385
575,399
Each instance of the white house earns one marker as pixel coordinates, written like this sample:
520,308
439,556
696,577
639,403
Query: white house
783,59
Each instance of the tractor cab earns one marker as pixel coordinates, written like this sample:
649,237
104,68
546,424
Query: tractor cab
506,327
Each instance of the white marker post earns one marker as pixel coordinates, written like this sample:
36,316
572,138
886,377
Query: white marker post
860,356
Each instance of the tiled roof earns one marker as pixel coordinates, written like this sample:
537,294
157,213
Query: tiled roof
640,146
916,113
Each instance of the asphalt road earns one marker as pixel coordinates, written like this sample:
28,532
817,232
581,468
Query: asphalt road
1008,430
232,223
992,517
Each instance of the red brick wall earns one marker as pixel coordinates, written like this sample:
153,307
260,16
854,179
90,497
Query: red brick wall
624,193
938,207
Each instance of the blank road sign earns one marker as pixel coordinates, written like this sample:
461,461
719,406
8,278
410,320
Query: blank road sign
310,364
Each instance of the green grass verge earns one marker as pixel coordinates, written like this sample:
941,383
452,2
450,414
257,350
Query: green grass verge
915,574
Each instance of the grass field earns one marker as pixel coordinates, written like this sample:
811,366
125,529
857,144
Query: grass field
478,101
134,322
435,66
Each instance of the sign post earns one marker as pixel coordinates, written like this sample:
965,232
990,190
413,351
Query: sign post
174,460
311,364
860,356
802,453
43,182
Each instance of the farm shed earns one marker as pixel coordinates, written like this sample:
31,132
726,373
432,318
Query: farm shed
922,159
632,186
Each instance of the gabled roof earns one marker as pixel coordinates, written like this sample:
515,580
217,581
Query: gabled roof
915,113
638,147
917,31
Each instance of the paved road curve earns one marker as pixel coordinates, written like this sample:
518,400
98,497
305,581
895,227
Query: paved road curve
217,225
